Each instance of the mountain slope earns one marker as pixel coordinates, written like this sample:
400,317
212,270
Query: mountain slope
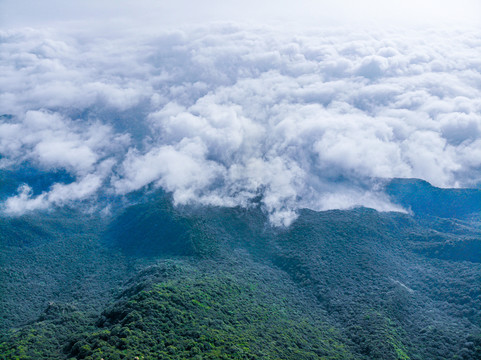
164,282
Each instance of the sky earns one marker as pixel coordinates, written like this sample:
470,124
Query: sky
161,13
313,105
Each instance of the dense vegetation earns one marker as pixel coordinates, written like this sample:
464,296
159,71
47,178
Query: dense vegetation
184,313
159,282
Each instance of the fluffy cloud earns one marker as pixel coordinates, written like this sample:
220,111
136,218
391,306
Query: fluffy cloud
59,194
225,114
53,142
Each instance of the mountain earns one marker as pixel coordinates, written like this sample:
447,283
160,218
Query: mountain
154,281
426,200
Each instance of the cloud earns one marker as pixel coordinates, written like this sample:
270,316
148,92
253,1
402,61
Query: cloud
54,142
59,195
226,114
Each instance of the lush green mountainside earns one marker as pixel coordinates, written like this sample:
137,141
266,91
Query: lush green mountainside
178,310
211,315
55,256
157,281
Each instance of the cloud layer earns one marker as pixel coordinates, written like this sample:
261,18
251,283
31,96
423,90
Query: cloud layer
223,114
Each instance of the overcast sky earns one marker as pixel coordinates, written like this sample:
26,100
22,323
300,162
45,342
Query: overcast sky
162,13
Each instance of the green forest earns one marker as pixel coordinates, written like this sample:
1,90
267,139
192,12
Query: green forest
155,281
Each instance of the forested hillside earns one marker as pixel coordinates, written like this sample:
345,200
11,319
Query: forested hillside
154,281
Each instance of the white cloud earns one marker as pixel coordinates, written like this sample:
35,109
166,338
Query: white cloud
182,169
59,194
53,141
223,114
24,202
